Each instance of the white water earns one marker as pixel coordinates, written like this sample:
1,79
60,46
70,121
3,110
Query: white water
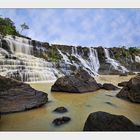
19,45
24,66
137,59
94,61
65,58
114,63
92,64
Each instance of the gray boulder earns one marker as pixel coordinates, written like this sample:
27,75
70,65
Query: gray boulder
16,96
103,121
108,86
78,83
131,91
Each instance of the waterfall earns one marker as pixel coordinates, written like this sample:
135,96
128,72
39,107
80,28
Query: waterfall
65,58
114,63
94,61
137,59
21,65
19,45
92,64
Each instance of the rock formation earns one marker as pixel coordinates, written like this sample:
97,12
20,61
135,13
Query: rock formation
77,83
61,120
16,96
103,121
131,91
109,86
60,109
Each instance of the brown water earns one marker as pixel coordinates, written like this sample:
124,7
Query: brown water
79,106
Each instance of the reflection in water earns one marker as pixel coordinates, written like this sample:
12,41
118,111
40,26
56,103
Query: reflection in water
79,107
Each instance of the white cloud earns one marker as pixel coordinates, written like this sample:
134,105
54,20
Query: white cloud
87,27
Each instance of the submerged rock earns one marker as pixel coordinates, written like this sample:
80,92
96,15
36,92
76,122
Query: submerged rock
103,121
111,104
77,83
122,84
60,110
60,121
16,96
131,90
109,86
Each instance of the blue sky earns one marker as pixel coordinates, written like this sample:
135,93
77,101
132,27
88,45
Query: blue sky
85,27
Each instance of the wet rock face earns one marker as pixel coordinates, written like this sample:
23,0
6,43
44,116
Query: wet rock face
60,121
60,110
78,83
109,86
16,96
102,121
131,91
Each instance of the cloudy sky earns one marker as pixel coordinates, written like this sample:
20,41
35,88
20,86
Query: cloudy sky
85,27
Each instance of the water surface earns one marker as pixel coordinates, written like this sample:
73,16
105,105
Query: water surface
79,107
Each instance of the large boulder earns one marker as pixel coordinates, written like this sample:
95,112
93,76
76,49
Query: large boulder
102,121
80,82
108,86
16,96
131,91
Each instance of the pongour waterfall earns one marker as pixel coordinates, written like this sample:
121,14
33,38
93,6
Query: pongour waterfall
21,65
31,61
114,63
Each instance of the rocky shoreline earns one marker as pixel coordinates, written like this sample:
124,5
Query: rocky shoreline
16,96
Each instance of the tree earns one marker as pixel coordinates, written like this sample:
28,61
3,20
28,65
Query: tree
7,27
24,26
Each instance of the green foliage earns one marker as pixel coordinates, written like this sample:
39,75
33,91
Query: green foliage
7,27
134,50
54,55
124,51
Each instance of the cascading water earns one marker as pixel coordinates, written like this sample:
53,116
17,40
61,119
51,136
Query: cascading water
94,61
65,58
19,45
92,64
17,60
137,59
114,63
21,65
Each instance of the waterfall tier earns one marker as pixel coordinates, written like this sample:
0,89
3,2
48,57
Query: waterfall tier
114,63
31,61
21,65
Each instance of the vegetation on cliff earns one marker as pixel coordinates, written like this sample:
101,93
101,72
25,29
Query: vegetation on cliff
7,27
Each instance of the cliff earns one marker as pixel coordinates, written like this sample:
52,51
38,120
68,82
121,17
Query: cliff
30,60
